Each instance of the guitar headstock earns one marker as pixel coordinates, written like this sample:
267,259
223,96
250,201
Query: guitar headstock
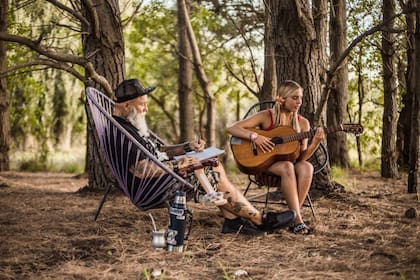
354,128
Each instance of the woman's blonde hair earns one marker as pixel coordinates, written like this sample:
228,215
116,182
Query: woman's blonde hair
284,90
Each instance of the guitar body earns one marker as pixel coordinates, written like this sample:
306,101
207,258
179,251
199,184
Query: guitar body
250,163
251,160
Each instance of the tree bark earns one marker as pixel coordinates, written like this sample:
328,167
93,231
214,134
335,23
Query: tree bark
185,96
320,14
389,129
415,133
404,120
337,101
4,97
103,44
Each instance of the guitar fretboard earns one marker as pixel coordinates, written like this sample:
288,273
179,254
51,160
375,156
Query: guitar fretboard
303,135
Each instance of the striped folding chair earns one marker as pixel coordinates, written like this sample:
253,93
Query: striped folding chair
155,188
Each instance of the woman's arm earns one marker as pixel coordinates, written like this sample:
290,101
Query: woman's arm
240,128
261,119
307,151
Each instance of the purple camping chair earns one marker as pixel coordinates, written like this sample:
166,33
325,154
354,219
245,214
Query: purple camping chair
121,149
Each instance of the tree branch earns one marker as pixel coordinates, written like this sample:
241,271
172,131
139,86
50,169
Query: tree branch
63,7
331,72
253,66
42,50
94,14
46,62
57,60
242,81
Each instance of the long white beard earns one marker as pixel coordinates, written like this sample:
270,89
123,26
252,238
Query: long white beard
138,120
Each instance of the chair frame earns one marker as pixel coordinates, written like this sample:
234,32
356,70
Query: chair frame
99,109
253,179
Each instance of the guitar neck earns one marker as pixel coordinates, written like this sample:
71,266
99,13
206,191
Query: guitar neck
303,135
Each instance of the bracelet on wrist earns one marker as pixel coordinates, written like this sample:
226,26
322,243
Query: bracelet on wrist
253,136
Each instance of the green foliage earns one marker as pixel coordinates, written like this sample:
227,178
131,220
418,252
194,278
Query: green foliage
365,87
59,105
43,103
69,162
153,44
33,165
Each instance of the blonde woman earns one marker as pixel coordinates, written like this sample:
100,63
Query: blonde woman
296,176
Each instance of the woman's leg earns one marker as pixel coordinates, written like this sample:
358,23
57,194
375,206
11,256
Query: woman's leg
304,172
286,170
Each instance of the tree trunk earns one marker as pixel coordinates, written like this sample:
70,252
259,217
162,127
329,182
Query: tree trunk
320,12
337,101
415,133
404,121
269,87
205,83
4,97
185,97
103,44
297,53
388,158
361,95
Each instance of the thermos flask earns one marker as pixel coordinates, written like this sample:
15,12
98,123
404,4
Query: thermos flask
177,223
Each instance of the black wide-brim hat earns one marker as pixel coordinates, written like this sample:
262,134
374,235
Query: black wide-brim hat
130,89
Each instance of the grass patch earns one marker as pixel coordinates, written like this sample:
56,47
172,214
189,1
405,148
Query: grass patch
72,161
338,174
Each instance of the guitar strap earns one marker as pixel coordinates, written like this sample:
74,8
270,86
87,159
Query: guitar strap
270,111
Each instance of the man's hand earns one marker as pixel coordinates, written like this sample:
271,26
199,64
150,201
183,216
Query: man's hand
186,162
197,146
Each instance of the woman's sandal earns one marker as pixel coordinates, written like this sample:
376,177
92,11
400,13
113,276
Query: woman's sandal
301,228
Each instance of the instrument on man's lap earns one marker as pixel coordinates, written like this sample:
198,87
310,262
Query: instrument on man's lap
252,160
213,162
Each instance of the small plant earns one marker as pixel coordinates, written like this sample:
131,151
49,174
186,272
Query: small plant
146,274
338,174
225,273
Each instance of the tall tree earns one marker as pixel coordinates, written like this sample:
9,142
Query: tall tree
4,97
408,83
337,101
205,83
415,117
185,74
103,44
389,126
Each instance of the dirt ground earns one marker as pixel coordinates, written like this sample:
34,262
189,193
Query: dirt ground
48,232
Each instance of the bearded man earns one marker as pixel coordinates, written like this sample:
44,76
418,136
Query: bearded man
239,215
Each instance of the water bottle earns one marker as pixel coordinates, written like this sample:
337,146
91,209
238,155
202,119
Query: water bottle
177,223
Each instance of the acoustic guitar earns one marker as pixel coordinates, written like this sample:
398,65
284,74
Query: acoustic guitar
252,160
